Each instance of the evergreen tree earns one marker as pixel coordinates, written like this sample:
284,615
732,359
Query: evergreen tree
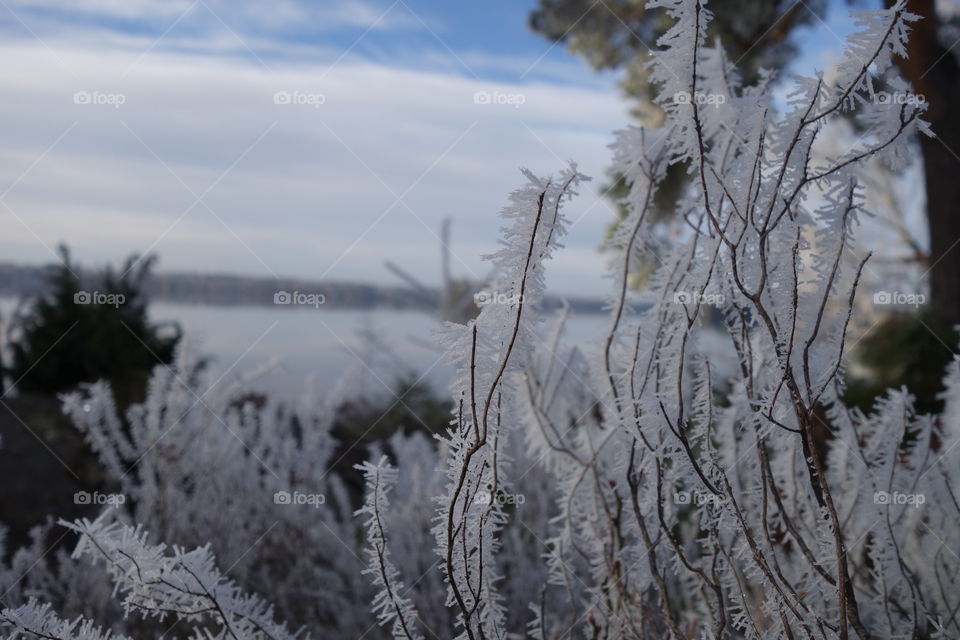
73,334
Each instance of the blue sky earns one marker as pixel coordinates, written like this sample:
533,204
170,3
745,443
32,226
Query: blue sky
193,157
487,40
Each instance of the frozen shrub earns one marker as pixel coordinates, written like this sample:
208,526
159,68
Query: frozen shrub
607,490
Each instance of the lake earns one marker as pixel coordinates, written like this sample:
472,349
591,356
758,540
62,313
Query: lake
321,344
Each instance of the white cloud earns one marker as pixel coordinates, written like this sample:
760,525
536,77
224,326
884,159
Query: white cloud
368,16
142,10
319,180
278,15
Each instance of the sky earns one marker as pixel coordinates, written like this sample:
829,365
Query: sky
297,137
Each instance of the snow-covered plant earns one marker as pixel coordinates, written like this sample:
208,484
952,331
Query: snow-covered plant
754,506
647,485
200,462
35,620
41,572
489,351
185,585
390,605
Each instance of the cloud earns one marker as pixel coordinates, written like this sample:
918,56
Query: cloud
139,10
299,165
368,16
277,18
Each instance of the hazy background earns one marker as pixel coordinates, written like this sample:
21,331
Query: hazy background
301,139
200,165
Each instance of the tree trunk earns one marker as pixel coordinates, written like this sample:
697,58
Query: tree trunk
934,72
942,177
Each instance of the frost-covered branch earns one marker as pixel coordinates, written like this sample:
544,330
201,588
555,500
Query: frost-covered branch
390,605
35,620
694,472
182,584
745,503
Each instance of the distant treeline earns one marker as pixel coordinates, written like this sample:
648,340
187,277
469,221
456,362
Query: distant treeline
231,290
